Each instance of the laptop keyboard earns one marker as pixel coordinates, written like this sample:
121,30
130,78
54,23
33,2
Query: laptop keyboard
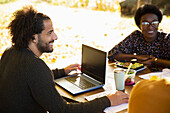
80,82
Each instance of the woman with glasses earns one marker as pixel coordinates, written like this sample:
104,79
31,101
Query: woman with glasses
148,46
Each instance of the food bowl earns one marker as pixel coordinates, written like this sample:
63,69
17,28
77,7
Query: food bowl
130,77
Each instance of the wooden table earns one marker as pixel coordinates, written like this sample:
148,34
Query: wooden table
80,97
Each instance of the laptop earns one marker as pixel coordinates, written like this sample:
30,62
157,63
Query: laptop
93,72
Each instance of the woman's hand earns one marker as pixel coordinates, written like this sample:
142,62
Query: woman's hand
143,57
148,62
71,67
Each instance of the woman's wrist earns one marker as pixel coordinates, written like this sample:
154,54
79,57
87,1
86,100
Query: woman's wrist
155,60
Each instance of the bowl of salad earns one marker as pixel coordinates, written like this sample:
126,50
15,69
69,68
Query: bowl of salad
130,77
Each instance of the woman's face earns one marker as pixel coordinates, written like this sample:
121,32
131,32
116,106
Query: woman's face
149,25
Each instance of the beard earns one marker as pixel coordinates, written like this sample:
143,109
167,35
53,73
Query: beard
43,46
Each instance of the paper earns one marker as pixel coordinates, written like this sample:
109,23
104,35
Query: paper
97,95
109,87
165,73
114,109
146,76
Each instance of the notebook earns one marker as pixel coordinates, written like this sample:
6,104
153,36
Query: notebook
93,72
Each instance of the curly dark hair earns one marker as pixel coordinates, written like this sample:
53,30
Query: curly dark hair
145,9
26,23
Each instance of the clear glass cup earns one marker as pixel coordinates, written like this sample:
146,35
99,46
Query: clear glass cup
119,77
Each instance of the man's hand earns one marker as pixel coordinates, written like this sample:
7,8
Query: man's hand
118,98
71,67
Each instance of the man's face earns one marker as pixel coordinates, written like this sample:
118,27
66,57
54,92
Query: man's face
46,38
149,25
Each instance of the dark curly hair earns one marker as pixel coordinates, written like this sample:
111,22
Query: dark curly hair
145,9
26,23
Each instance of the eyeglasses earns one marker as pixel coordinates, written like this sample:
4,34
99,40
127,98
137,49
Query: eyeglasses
153,24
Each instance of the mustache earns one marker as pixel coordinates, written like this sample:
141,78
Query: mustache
51,41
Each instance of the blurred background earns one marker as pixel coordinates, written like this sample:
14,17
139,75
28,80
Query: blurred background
98,23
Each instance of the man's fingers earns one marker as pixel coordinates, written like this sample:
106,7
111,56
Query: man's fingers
125,96
125,100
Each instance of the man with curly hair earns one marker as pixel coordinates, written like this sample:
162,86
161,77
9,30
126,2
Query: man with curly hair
26,82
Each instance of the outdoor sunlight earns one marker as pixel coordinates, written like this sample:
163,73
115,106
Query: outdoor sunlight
74,26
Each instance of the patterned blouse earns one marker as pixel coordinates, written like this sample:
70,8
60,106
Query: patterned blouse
135,43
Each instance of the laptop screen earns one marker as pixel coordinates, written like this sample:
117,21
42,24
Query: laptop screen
93,63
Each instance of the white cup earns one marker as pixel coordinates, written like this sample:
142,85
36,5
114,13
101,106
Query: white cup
119,76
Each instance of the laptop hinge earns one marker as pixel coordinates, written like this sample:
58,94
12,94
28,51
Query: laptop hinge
90,78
